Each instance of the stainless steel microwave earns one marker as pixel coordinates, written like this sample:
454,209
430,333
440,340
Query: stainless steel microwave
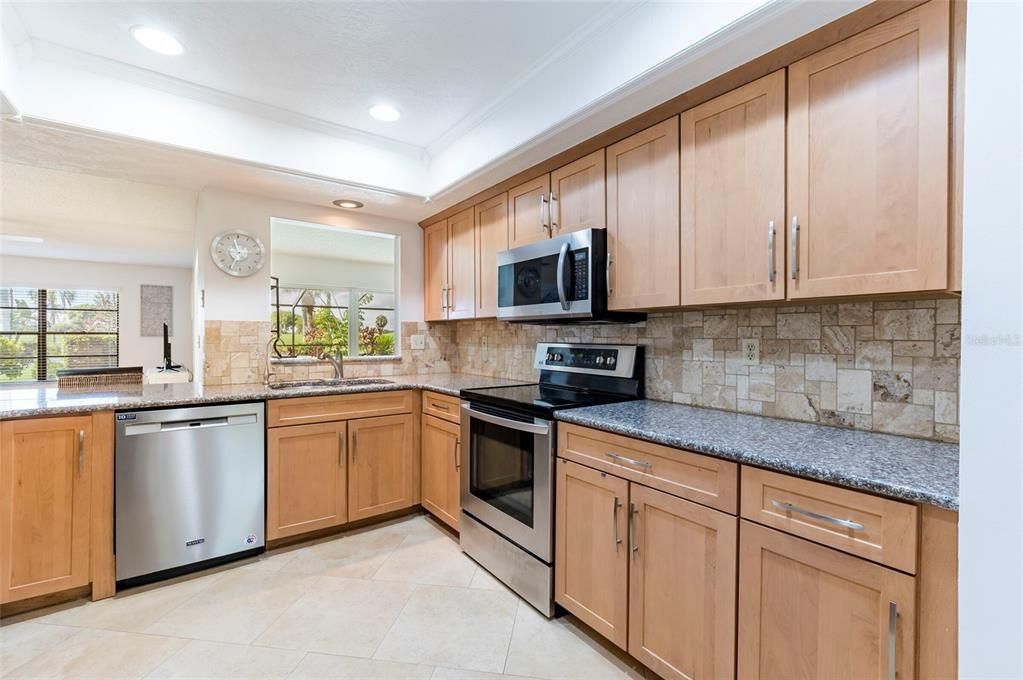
562,278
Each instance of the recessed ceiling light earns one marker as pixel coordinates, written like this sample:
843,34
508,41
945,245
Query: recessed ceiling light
345,203
157,40
386,113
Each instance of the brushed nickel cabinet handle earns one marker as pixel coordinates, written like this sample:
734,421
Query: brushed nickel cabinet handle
630,461
543,213
614,521
794,247
633,548
846,523
355,446
81,452
341,449
771,273
893,615
458,454
607,275
552,211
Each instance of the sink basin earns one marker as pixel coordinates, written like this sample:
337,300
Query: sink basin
343,382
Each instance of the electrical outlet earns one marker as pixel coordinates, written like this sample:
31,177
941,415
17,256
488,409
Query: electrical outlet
751,351
418,342
484,343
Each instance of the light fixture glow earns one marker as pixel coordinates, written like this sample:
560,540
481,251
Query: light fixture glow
386,113
21,239
157,40
347,203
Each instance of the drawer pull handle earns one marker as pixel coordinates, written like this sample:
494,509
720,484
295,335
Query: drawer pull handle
439,406
630,461
847,523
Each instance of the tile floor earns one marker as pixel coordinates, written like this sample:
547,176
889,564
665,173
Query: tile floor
395,601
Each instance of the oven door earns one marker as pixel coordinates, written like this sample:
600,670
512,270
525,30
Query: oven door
551,278
507,482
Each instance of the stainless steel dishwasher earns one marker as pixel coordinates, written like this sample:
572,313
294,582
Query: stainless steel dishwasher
189,489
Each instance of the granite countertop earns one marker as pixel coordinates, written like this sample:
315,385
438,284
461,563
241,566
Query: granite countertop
915,470
46,400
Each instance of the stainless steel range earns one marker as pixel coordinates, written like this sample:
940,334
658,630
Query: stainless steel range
508,482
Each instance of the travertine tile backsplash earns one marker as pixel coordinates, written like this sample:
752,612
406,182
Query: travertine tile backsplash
887,366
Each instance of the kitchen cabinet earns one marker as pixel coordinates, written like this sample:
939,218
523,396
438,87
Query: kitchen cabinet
590,556
491,238
867,179
643,219
653,573
441,469
807,612
450,268
45,505
733,196
571,198
306,478
380,469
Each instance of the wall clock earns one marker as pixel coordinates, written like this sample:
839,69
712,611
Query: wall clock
238,253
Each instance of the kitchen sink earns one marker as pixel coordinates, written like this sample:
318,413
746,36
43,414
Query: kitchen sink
341,382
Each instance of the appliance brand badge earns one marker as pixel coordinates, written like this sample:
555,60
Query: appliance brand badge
194,541
127,416
250,539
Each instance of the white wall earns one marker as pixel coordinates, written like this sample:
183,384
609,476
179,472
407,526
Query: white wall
134,350
329,272
991,412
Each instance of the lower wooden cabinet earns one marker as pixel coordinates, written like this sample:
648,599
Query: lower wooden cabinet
306,478
441,469
808,612
45,514
380,470
652,572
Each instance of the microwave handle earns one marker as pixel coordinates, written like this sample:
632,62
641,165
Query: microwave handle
504,422
562,260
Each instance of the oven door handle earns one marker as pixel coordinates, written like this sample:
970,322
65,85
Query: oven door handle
562,260
506,422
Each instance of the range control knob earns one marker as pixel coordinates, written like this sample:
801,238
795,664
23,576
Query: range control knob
600,360
610,361
550,357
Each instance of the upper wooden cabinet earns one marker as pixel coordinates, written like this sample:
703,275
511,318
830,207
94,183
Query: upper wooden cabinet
305,478
733,196
528,212
643,219
868,160
809,612
491,238
45,493
577,199
381,478
449,268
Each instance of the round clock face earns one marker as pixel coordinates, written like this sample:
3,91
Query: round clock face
238,253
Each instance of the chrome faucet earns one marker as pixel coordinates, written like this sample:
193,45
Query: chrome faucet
337,360
269,375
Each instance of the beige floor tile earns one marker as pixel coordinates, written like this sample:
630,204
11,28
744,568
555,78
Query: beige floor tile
238,607
202,659
339,616
484,580
272,561
352,556
426,560
454,627
461,674
134,610
100,654
20,642
562,650
416,525
315,666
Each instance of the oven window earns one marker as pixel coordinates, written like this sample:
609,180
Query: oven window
501,469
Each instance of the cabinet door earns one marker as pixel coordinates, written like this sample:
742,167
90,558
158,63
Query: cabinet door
435,271
380,472
491,238
808,612
45,467
868,160
462,265
643,219
591,563
733,196
529,212
440,472
682,586
305,478
577,195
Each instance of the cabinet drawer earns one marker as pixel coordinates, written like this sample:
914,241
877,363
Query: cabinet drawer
441,405
302,410
685,474
868,526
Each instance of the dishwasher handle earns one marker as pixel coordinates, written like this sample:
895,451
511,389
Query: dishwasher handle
193,424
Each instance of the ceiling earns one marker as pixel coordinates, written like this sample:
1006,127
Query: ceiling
437,62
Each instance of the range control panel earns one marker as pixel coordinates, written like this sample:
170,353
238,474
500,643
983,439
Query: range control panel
598,359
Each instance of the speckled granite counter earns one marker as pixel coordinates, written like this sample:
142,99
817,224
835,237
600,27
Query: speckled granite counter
46,400
900,467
